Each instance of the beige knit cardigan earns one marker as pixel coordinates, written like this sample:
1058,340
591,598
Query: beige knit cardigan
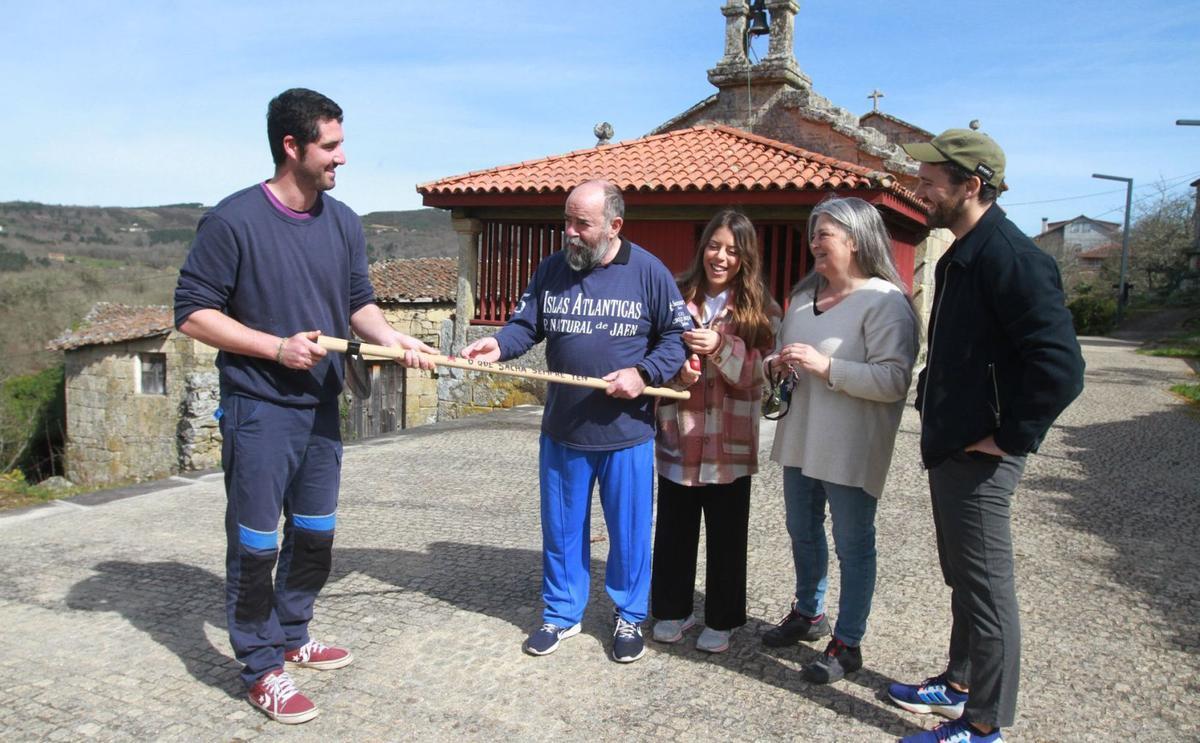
843,431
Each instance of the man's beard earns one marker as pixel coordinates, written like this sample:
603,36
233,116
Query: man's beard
317,178
583,257
947,213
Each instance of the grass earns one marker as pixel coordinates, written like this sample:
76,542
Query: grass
15,492
1189,391
1180,347
1186,347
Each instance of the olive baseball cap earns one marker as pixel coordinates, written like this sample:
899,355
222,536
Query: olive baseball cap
975,151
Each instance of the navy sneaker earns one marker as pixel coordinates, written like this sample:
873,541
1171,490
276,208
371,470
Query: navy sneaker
628,645
545,639
954,731
931,695
833,665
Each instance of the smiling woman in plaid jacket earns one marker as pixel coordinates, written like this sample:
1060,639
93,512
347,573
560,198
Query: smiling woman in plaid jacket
707,446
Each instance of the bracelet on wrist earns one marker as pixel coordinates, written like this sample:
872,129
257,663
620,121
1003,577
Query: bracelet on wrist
279,351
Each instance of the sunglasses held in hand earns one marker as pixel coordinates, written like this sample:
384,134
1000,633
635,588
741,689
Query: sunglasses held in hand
777,402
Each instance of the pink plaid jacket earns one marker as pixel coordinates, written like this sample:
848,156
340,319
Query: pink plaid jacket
713,437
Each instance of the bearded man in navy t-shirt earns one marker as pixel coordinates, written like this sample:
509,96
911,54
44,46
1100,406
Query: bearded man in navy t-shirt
273,267
606,308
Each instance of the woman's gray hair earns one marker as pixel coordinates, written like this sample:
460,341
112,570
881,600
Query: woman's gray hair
864,225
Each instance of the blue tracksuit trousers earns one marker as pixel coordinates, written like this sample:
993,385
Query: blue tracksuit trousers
626,479
285,461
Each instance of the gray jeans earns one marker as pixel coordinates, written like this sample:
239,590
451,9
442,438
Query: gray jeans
972,494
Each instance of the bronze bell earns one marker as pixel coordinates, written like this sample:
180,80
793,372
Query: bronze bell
758,19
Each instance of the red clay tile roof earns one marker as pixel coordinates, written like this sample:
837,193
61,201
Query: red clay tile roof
114,323
416,279
1107,250
701,158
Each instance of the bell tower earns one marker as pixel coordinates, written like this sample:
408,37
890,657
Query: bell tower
779,66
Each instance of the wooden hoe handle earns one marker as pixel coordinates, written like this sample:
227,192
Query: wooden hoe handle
368,350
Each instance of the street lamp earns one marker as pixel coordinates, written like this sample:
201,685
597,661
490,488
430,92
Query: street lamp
1121,289
1187,122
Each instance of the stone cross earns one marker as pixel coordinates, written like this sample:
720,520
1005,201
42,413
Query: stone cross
875,96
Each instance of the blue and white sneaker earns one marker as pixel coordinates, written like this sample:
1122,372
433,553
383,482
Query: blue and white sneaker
545,639
954,731
933,695
628,644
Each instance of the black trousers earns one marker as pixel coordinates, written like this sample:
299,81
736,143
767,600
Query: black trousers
972,498
726,510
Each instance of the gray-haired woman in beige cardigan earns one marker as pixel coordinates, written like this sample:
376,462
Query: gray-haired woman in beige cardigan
848,343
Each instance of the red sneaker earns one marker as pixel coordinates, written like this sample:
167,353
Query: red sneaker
318,656
276,695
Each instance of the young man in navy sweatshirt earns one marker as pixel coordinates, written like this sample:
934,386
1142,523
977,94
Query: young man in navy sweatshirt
273,267
606,308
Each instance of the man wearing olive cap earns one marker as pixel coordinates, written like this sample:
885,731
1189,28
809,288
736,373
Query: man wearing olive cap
1003,362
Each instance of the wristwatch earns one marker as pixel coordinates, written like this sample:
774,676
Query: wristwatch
645,375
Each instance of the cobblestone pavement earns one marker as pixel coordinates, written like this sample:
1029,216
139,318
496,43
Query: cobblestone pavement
113,627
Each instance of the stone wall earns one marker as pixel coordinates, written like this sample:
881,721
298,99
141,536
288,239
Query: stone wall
117,435
422,321
925,261
462,393
198,432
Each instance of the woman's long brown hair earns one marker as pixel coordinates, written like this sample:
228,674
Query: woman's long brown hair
750,319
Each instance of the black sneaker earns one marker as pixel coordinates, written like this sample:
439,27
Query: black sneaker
838,660
794,628
628,645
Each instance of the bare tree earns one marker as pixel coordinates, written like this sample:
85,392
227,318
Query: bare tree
1159,238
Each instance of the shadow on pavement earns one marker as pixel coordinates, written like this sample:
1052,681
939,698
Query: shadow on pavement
171,602
505,583
1139,493
779,667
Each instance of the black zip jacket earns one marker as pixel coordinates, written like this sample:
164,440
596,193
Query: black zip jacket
1003,359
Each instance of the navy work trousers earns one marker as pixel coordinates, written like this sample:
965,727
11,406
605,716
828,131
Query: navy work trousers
278,460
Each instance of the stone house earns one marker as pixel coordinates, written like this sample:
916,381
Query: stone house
1080,246
417,297
140,397
1065,240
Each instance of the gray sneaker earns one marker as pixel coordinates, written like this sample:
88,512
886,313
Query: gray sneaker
671,630
714,640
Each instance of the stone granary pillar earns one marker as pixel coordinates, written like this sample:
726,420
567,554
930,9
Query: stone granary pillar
468,231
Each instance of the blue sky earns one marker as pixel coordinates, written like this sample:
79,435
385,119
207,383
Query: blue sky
144,103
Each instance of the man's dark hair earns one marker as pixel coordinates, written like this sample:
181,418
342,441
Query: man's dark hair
958,175
298,112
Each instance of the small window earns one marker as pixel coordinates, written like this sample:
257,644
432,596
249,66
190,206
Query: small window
152,374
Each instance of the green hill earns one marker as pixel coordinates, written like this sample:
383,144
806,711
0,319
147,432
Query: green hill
57,261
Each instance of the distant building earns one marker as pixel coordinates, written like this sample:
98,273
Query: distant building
1091,261
140,397
1066,240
